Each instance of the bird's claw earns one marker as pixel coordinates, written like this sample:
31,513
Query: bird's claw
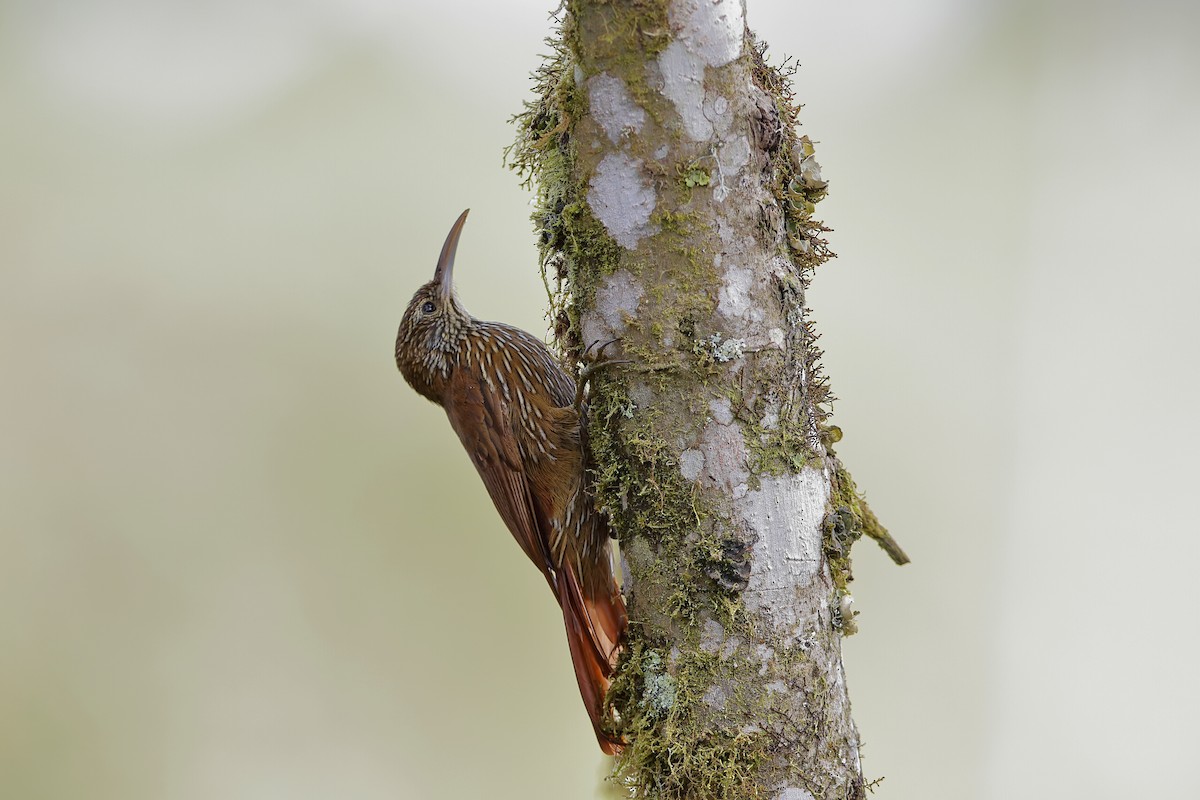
601,347
595,363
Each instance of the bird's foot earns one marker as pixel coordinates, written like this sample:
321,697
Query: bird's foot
593,363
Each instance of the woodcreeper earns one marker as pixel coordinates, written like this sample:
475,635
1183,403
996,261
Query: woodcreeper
522,421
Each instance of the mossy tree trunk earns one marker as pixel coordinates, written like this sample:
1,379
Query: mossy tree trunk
675,215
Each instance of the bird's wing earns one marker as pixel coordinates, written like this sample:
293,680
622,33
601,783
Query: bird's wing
479,417
485,426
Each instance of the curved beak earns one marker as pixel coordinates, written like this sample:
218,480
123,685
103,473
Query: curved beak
444,273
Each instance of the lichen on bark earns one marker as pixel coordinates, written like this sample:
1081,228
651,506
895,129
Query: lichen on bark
675,206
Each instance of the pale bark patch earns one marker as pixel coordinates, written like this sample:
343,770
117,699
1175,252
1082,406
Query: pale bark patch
792,793
691,462
622,199
721,410
733,298
683,85
712,29
732,157
784,516
613,107
617,298
707,34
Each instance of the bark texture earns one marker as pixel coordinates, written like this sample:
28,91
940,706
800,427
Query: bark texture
675,204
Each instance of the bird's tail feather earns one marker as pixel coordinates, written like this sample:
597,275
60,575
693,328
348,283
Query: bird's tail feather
595,627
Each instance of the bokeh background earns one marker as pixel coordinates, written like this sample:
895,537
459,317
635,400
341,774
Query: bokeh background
240,559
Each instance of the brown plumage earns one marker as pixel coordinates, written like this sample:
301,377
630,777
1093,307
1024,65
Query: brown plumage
514,409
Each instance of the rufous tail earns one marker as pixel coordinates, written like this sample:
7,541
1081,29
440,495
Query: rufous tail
595,632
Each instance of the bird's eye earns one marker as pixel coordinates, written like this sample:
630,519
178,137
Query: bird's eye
427,307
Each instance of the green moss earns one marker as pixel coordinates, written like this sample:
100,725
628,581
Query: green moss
776,449
672,222
543,156
847,520
850,518
618,37
670,755
612,35
637,477
793,169
676,706
589,250
694,174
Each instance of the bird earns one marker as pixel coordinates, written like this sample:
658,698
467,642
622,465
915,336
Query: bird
522,420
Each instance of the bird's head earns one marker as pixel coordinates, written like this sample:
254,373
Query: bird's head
433,325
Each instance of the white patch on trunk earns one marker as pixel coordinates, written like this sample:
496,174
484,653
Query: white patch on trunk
613,107
792,793
617,297
709,33
622,199
785,514
721,410
712,28
683,84
733,298
690,464
733,156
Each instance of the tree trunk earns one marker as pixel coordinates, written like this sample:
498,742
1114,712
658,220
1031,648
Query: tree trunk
675,207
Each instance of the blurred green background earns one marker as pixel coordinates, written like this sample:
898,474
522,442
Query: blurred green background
239,558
